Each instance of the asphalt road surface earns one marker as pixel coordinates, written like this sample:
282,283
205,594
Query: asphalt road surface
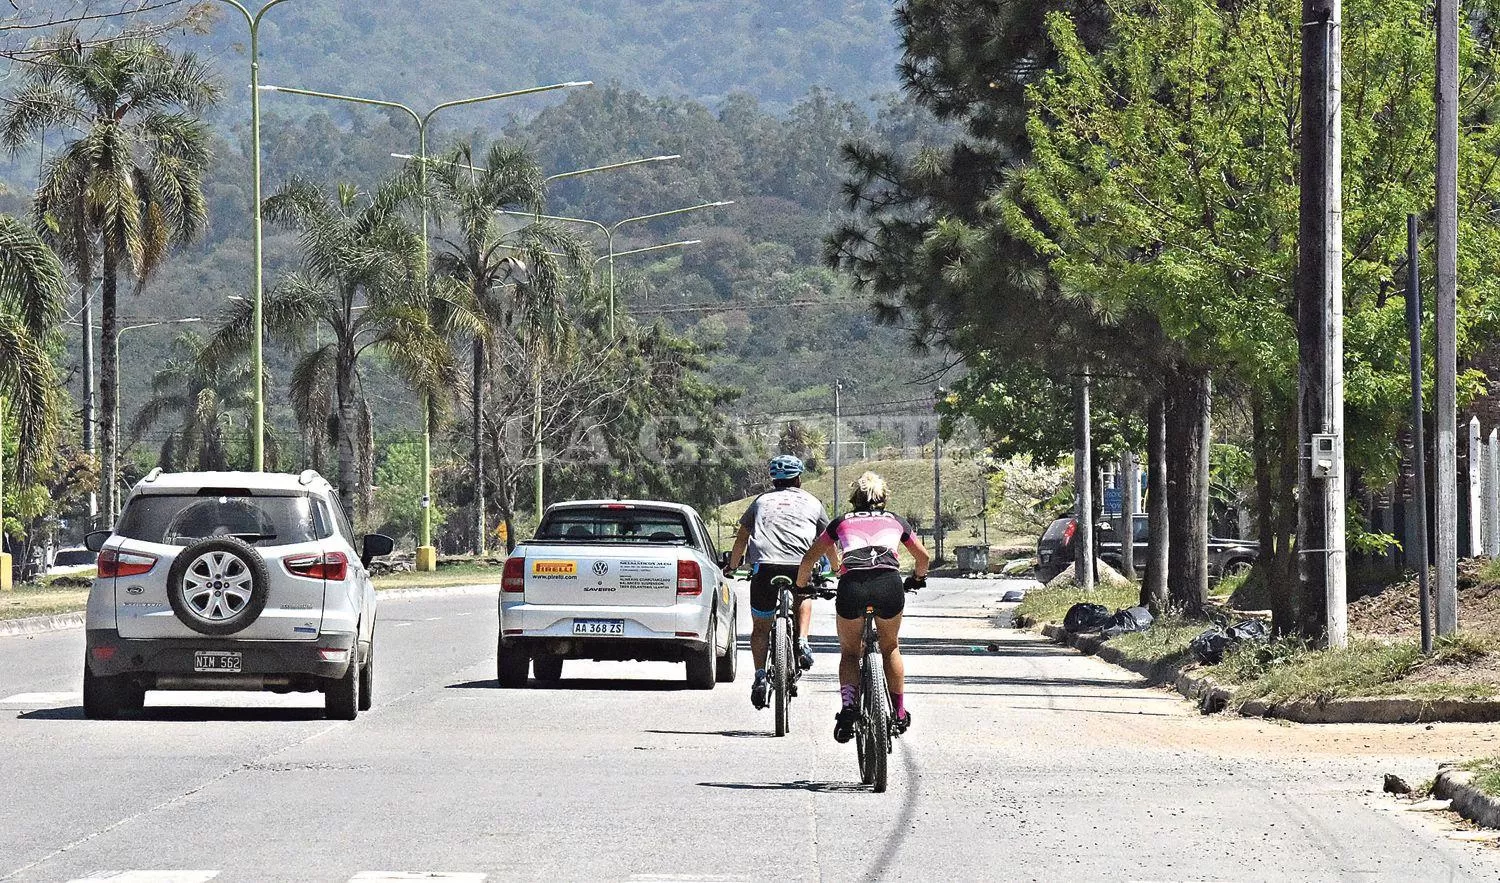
1025,762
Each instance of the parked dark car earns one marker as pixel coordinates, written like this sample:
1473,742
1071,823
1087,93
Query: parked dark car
1055,549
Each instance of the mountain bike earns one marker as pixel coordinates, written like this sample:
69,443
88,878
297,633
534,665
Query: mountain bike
782,668
876,731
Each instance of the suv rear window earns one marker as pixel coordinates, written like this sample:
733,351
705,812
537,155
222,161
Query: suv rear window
181,519
607,524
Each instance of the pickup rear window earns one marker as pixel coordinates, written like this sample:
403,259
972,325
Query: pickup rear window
606,524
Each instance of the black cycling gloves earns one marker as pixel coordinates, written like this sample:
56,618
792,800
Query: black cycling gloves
913,583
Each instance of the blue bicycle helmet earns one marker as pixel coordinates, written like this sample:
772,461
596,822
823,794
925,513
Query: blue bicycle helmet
785,466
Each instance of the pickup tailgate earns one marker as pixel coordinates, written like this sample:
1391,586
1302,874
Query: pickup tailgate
613,575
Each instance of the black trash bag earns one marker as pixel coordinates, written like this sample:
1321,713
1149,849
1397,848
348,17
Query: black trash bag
1086,617
1128,620
1210,647
1250,630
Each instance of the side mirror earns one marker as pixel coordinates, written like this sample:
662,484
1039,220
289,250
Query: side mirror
95,540
376,545
724,559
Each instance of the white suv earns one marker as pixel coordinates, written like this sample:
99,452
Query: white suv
231,581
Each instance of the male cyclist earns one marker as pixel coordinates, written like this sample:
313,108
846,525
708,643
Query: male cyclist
776,530
869,539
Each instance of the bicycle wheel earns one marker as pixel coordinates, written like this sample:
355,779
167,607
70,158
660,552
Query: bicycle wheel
877,719
781,660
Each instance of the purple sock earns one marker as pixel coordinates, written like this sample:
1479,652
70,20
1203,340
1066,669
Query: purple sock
899,700
847,692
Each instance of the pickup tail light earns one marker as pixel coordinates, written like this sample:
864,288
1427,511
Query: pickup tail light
514,578
115,563
330,566
689,578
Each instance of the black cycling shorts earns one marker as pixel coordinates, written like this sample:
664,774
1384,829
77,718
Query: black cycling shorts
762,593
881,589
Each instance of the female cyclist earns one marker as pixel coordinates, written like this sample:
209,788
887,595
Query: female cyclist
869,539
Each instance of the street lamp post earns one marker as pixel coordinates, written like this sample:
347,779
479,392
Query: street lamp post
426,552
113,498
257,318
609,237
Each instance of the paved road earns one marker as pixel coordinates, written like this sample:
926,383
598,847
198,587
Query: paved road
1026,762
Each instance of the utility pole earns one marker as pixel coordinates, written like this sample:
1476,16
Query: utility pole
838,492
1446,382
90,384
1320,316
1418,443
1130,503
937,492
1083,489
1492,495
1476,499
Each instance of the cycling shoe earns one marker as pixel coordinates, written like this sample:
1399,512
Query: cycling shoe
805,657
758,693
903,723
843,724
791,689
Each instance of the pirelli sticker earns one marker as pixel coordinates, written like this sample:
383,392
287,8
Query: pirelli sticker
554,569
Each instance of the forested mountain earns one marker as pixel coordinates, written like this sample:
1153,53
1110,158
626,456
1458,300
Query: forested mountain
703,49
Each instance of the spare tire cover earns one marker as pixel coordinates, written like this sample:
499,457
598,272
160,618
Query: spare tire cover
218,586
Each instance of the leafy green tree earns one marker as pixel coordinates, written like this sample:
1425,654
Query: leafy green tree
398,492
129,186
358,293
1163,184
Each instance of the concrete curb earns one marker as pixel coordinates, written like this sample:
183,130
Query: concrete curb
1468,801
1211,697
36,625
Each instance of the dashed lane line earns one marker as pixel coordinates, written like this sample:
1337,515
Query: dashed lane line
148,877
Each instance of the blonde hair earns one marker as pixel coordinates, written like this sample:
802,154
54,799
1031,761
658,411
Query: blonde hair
868,492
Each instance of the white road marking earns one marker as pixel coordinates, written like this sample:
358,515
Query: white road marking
432,619
402,876
149,877
42,699
402,624
470,613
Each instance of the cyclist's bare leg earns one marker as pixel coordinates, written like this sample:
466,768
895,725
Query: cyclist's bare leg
804,618
760,640
888,632
851,644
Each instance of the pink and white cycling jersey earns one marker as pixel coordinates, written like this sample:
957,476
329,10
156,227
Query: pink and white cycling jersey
869,540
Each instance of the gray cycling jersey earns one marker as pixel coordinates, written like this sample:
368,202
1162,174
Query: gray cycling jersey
783,525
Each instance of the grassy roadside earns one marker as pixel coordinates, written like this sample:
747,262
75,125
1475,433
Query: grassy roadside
1464,666
49,599
1486,772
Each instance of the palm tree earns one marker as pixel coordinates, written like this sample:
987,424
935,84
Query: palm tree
209,392
32,290
130,184
359,290
480,253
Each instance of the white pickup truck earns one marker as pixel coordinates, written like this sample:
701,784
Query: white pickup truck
617,580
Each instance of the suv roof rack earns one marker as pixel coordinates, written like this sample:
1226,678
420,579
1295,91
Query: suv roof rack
153,475
308,476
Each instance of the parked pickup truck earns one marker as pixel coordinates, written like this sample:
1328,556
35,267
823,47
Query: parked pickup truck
617,580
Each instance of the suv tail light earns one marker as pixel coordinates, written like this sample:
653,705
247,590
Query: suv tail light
330,566
113,562
514,578
689,578
1068,531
